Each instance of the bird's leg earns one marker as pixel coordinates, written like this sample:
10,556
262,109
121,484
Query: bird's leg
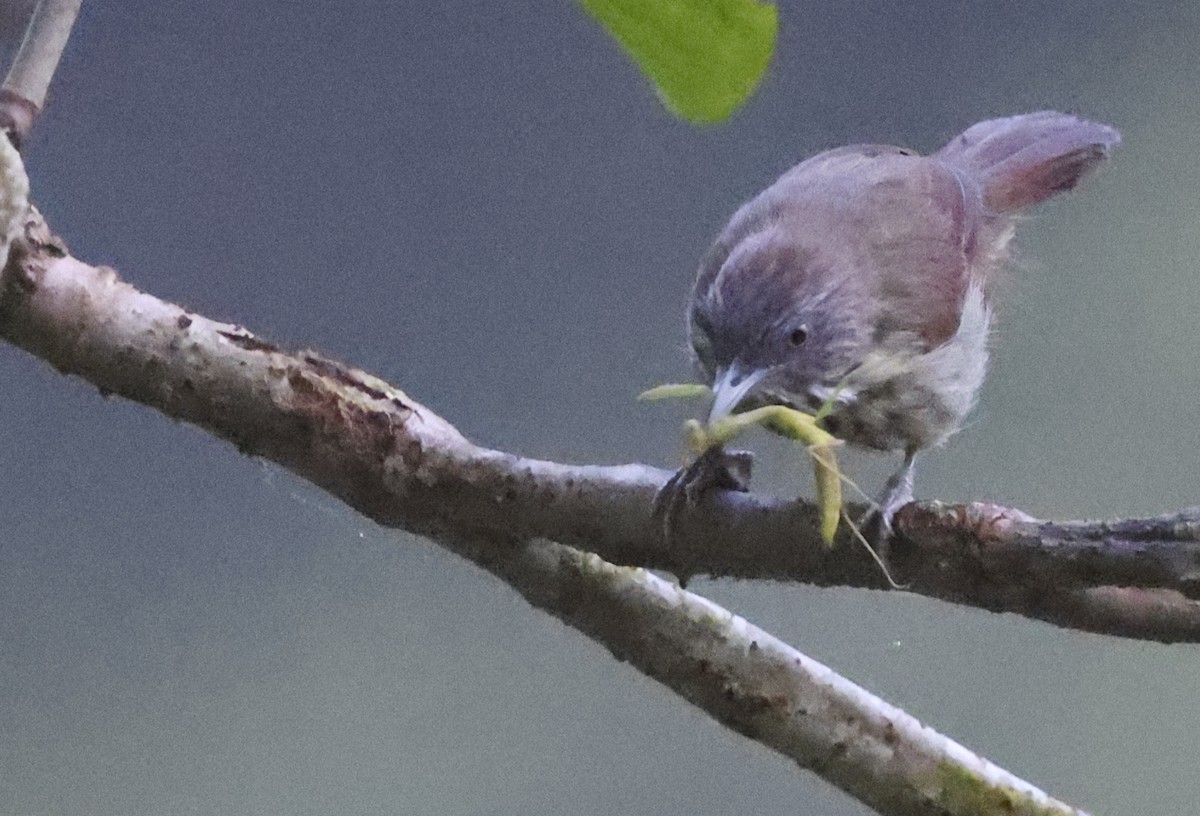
897,492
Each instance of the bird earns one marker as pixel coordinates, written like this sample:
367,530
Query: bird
862,282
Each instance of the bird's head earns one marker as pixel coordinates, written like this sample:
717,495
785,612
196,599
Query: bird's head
770,323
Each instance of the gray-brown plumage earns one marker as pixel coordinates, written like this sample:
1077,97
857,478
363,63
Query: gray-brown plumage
865,275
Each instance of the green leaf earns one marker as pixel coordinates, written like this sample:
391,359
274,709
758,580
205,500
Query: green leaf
705,57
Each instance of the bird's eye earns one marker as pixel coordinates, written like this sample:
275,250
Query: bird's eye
797,337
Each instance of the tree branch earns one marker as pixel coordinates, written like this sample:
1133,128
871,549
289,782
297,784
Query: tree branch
403,466
24,91
759,686
1135,578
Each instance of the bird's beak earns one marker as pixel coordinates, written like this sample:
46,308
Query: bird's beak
730,387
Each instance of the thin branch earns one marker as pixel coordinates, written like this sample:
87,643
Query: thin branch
1133,577
24,91
761,687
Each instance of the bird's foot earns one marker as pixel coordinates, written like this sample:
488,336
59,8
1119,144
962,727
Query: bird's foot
714,469
897,492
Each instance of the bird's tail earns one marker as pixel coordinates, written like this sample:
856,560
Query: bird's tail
1021,160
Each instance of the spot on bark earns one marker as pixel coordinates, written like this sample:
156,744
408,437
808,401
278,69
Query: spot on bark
247,341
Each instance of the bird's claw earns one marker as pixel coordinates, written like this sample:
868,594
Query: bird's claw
714,469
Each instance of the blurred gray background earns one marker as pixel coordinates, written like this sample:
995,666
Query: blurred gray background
485,204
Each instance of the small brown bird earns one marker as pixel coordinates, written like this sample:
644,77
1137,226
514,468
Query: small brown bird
864,276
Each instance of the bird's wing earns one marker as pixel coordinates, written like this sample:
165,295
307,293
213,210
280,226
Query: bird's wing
900,224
